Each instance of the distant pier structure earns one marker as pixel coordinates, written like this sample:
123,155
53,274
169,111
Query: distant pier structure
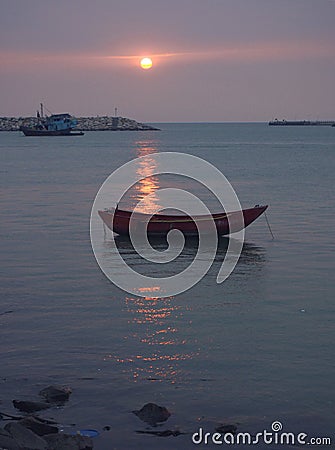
276,122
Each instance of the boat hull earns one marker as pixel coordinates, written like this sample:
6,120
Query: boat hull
35,132
117,220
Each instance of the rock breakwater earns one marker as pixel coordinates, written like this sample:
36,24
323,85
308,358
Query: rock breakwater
98,123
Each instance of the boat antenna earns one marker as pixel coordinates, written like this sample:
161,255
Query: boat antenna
267,221
48,110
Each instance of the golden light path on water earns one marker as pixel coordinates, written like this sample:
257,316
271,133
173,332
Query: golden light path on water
153,322
148,185
152,318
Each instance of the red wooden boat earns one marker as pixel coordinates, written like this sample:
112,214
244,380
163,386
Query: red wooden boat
117,220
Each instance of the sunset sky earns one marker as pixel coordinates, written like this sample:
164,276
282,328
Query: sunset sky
214,60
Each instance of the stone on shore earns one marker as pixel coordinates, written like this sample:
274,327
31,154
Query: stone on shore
56,394
30,407
7,441
38,426
153,414
162,433
26,438
227,428
68,442
34,433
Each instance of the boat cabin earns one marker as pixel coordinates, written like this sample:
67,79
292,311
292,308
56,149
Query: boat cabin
58,122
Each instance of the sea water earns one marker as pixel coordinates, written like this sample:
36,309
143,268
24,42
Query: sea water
255,349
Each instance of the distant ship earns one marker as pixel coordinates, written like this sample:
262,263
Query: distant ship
54,125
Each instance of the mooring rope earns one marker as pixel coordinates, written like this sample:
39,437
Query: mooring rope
267,221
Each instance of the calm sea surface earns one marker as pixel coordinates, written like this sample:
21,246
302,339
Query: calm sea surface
255,349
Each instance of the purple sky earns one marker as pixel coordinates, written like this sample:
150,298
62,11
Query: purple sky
214,60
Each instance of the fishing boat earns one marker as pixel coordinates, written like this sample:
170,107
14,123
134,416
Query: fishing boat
117,220
54,125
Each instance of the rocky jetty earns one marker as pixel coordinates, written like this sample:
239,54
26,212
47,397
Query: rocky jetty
106,123
98,123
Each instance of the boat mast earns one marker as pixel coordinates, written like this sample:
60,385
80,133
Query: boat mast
41,105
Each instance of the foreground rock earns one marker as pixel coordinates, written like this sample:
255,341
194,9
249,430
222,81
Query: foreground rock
7,441
56,394
153,414
35,433
25,438
227,428
38,426
15,436
68,442
165,433
30,407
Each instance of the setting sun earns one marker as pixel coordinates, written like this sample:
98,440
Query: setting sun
146,63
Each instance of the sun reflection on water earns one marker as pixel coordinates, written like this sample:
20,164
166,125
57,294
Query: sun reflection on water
157,339
159,347
146,188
